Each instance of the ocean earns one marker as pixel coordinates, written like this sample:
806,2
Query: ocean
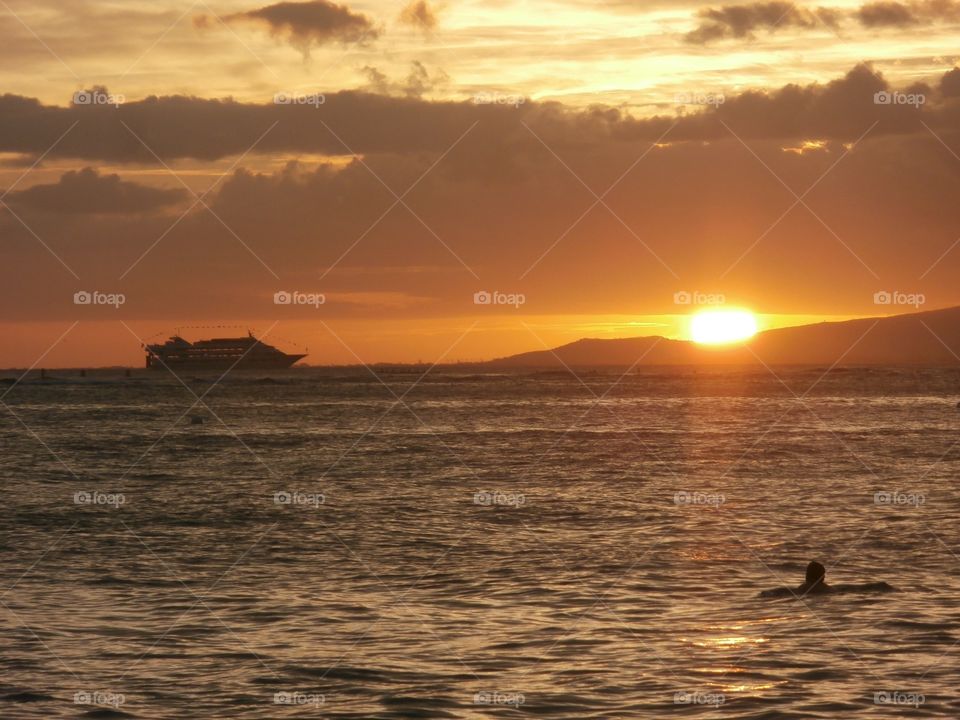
331,543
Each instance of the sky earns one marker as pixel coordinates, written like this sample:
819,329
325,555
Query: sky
440,181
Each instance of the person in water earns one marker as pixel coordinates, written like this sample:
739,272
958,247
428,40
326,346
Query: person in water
815,583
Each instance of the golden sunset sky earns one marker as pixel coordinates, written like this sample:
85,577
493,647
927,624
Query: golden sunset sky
605,161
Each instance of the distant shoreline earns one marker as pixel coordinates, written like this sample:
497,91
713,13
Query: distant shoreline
491,367
925,339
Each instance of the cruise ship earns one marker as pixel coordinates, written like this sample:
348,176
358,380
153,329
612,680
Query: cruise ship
243,353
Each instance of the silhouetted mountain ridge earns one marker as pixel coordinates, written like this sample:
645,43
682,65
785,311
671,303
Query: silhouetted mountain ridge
920,338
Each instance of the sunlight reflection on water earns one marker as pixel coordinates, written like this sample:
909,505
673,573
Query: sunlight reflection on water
421,580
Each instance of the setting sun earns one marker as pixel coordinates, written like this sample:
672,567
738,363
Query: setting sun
717,327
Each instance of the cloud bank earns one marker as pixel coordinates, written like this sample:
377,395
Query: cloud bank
494,197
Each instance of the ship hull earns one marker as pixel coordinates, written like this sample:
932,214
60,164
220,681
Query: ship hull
219,365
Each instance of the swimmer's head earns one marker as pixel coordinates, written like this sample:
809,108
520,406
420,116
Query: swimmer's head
815,573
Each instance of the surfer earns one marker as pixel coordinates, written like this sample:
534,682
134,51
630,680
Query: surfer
815,583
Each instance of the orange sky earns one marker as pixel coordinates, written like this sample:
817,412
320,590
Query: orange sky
600,160
105,344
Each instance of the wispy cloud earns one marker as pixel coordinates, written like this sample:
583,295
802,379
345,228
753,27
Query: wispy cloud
419,14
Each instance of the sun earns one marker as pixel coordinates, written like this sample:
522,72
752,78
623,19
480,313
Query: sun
718,327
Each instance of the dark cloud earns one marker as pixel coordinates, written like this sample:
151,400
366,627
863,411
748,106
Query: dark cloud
739,21
420,15
950,83
897,14
308,24
886,14
87,192
842,109
176,128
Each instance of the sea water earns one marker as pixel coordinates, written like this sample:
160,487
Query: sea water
373,544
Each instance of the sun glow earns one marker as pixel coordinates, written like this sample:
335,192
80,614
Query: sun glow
718,327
